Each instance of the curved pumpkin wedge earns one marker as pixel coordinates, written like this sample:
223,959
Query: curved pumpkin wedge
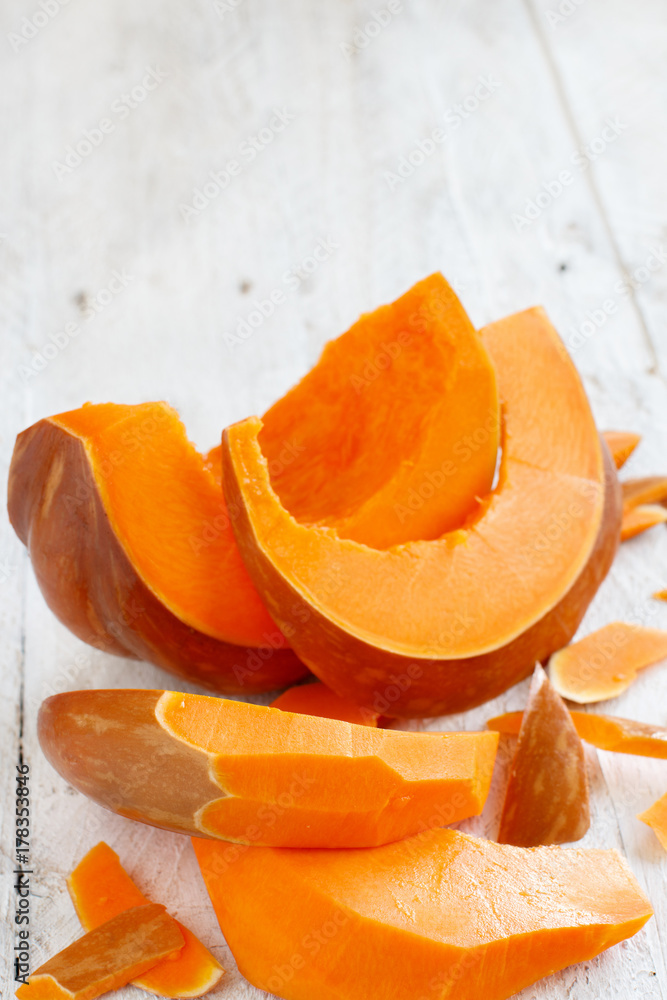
108,957
547,799
646,490
400,631
250,774
394,433
656,818
101,889
442,915
606,732
318,699
621,444
605,663
132,547
640,519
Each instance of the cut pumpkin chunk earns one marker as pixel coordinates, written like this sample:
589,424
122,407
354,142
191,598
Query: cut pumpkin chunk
639,519
606,732
394,433
132,547
318,699
621,444
250,774
547,800
101,889
656,818
440,915
400,631
112,955
606,662
648,490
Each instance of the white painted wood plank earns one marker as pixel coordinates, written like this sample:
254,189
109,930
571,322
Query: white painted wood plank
323,177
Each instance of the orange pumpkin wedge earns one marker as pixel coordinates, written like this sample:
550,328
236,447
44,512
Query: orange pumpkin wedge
250,774
647,490
101,889
606,732
317,699
547,800
132,547
400,630
656,818
621,444
440,915
639,519
605,663
108,957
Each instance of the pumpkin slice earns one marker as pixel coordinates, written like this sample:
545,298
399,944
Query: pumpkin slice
621,444
101,889
251,774
647,490
395,432
606,662
318,699
440,915
112,955
547,800
400,631
639,519
132,547
656,818
606,732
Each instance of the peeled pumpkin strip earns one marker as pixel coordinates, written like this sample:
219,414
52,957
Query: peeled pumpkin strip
621,444
442,915
656,818
318,699
605,663
131,544
547,799
639,519
606,732
101,889
108,957
404,621
647,490
250,774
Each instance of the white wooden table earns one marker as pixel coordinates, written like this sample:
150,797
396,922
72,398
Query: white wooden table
353,101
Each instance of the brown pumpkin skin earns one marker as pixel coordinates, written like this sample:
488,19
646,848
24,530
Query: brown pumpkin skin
91,586
406,687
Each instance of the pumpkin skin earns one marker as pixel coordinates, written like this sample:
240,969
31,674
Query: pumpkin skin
346,603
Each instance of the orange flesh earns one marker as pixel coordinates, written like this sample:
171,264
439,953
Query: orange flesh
319,700
393,435
108,957
169,515
648,490
547,799
515,560
639,519
621,444
605,663
441,915
656,818
607,732
101,889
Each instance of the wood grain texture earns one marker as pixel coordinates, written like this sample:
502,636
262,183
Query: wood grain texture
352,112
